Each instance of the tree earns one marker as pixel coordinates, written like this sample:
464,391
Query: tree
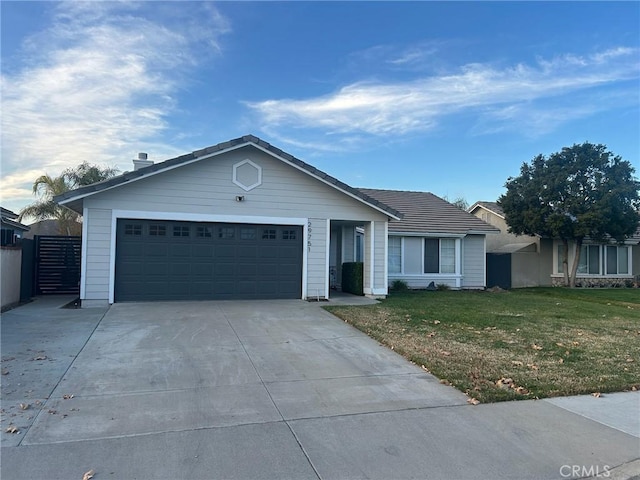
582,191
459,202
47,187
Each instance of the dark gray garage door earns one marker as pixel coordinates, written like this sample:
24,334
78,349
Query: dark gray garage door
168,260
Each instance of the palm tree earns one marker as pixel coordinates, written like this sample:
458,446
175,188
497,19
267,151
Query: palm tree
48,187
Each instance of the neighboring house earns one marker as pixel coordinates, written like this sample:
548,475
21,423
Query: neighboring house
245,220
10,258
11,229
533,261
434,241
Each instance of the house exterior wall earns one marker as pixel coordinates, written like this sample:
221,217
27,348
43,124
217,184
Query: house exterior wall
494,242
205,191
474,273
11,263
525,269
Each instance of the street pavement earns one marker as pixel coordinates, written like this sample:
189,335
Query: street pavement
270,390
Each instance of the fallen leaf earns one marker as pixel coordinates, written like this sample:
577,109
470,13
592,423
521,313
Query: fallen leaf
630,360
88,475
536,347
473,401
580,334
436,322
505,383
559,344
532,366
12,429
517,363
431,335
5,371
522,391
575,344
445,353
24,406
41,357
596,394
67,396
52,412
634,389
561,360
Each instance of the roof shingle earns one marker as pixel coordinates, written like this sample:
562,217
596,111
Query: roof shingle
424,212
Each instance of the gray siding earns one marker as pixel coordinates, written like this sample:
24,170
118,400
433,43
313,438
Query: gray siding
380,250
206,188
473,262
97,256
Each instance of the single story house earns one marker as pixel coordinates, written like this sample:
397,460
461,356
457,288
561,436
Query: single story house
245,220
527,261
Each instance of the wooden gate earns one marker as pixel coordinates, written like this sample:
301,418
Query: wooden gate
57,265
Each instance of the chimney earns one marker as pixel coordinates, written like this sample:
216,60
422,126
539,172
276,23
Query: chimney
141,161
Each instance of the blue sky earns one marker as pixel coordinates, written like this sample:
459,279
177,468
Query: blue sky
446,97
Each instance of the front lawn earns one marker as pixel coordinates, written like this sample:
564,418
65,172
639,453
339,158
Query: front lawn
528,343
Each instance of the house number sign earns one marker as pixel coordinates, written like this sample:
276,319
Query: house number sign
309,236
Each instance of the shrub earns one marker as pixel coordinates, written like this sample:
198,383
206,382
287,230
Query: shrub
399,286
442,287
353,278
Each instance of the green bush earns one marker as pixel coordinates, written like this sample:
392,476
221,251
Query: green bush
353,278
399,286
443,287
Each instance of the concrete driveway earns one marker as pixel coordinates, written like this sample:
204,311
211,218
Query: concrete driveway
262,389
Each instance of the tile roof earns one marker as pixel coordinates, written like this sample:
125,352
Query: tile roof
72,198
492,206
423,212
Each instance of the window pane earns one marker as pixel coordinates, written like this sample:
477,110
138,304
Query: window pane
431,255
269,234
584,260
447,255
288,234
133,229
559,266
594,259
157,230
612,260
180,231
206,232
623,260
247,234
226,232
395,254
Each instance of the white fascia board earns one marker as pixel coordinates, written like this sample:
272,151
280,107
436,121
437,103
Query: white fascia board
83,252
282,159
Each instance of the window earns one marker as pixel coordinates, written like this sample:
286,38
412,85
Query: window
589,260
359,246
431,255
226,232
439,255
599,259
157,230
447,255
289,234
133,229
247,234
204,232
269,234
617,259
180,231
395,255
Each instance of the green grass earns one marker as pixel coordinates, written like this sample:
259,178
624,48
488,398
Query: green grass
548,341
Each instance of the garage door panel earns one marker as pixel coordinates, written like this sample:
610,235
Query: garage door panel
171,260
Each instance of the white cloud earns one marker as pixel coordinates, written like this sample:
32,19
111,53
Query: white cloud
98,85
402,108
